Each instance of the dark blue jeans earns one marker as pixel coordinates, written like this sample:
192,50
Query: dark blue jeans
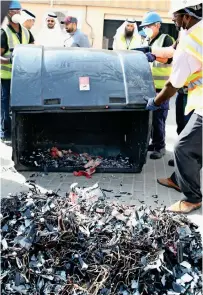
158,129
5,104
159,125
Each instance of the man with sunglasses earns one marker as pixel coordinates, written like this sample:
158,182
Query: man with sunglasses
51,20
51,34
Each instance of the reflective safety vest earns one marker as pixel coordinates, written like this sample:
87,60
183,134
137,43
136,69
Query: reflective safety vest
160,71
12,40
121,43
193,44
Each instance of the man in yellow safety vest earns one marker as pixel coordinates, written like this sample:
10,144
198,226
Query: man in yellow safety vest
151,25
11,35
187,70
127,36
181,98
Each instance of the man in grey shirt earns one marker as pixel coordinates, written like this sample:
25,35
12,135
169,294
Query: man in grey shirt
74,37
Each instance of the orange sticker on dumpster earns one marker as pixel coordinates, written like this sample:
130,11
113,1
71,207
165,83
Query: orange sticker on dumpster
84,83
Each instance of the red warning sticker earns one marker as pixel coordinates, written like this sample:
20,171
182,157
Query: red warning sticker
84,83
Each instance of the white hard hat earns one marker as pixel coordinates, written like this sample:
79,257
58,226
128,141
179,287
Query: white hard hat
181,4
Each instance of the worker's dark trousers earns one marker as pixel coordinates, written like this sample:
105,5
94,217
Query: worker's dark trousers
158,128
181,118
188,159
5,99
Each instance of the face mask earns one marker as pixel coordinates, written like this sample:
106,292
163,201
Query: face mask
16,18
148,32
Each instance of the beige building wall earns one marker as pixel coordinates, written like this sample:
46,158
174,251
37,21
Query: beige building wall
91,14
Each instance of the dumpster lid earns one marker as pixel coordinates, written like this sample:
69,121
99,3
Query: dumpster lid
46,77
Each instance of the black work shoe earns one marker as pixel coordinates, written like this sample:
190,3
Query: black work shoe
5,139
158,154
150,148
171,163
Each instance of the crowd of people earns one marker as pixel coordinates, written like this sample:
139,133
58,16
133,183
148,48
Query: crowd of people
17,31
51,33
176,67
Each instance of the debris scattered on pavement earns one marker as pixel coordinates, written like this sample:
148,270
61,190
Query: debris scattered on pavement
142,202
84,163
83,244
155,196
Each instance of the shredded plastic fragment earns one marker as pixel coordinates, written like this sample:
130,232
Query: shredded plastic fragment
83,163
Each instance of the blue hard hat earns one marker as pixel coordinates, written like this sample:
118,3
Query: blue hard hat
151,18
15,5
142,33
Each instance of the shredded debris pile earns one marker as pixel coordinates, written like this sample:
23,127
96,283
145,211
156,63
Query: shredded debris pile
83,244
55,158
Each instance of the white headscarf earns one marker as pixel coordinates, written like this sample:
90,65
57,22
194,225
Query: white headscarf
121,30
27,15
50,37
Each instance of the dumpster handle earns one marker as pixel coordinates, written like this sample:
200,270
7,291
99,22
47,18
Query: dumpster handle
52,101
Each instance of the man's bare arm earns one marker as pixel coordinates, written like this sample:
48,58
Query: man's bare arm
166,93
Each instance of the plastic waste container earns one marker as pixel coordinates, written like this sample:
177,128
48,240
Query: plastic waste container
90,101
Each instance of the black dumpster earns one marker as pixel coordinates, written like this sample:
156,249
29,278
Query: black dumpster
89,101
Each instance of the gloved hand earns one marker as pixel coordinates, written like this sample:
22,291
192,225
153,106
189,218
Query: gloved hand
151,106
144,49
150,57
